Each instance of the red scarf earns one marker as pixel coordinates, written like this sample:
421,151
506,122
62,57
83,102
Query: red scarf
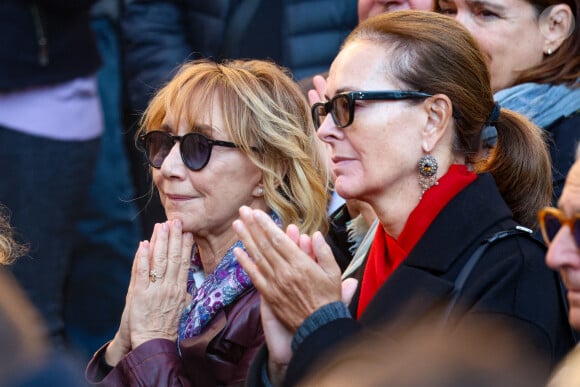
386,253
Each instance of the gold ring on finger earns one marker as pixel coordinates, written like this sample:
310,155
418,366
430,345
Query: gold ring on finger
153,276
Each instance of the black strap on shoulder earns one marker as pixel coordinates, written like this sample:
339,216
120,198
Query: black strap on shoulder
472,262
474,259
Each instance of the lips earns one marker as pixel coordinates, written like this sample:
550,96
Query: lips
339,159
178,197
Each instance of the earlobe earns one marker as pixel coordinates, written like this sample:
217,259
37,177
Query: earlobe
556,24
258,191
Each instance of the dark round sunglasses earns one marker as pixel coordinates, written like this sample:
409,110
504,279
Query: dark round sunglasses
552,219
195,148
341,106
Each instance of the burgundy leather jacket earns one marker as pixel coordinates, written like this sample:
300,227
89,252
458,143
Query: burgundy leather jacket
219,356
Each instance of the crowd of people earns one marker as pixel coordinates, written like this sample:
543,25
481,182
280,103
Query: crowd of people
361,197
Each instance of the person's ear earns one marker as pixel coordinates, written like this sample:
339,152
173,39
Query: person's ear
556,24
439,112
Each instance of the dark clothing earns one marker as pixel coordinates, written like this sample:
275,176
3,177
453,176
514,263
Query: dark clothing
511,283
337,237
57,370
220,355
69,50
108,230
47,43
563,137
45,191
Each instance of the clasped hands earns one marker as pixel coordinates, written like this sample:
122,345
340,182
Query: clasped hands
157,292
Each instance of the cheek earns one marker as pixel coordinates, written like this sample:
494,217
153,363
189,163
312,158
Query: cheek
157,177
531,52
500,62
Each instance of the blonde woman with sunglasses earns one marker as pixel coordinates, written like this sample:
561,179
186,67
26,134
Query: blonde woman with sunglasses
217,137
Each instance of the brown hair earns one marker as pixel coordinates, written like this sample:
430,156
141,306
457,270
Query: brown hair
561,67
437,55
264,109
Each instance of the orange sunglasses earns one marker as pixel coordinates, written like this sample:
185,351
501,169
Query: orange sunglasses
552,219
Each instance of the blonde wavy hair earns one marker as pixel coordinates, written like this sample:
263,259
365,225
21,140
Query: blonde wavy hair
9,248
267,115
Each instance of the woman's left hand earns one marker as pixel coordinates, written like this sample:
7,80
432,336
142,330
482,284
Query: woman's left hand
296,275
160,293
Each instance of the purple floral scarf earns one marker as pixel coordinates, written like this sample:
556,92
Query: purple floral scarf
220,288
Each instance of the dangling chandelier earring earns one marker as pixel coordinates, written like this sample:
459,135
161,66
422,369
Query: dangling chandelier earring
427,167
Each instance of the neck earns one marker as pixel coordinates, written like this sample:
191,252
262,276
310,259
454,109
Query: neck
395,205
213,248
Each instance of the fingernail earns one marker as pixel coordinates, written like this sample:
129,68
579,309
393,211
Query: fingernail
318,239
245,211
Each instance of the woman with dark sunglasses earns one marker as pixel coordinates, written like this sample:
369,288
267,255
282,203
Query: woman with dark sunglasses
411,127
218,136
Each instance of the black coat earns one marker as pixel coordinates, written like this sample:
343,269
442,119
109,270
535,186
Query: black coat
511,281
563,138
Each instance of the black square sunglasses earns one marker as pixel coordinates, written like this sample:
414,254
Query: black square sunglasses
341,106
195,148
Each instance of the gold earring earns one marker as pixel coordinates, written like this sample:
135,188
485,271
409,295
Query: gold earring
427,167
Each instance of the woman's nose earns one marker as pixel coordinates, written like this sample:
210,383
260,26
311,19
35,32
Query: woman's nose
328,131
173,164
